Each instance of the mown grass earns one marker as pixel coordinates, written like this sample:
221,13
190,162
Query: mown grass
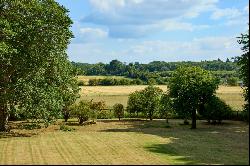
119,94
128,142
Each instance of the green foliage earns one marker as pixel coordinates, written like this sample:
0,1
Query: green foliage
216,110
66,128
166,106
243,62
36,75
118,110
146,101
152,81
232,81
135,100
191,88
105,114
83,111
80,83
157,70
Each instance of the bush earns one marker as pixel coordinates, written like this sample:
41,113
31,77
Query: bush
151,81
94,82
232,81
80,83
66,128
118,110
83,111
216,110
105,114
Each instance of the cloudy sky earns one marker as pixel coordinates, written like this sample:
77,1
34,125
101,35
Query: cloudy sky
147,30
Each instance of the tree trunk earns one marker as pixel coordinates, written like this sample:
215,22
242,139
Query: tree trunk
4,116
193,119
66,115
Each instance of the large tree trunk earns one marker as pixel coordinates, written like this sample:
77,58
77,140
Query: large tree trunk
4,116
193,119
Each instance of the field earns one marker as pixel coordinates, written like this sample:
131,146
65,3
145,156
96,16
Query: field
128,142
119,94
86,79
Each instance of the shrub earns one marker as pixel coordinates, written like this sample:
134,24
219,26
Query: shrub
94,82
81,83
118,110
216,110
152,81
105,114
83,111
66,128
232,81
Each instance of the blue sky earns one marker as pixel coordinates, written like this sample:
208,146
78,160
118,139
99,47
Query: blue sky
155,30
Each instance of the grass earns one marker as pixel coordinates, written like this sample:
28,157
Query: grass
119,94
128,142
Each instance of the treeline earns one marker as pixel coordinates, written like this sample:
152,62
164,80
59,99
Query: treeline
156,72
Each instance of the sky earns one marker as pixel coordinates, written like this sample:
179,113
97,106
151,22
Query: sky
155,30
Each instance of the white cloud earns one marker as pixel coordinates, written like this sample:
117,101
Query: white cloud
172,25
228,13
206,48
93,32
89,34
135,18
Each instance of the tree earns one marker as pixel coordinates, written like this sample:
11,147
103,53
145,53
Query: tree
35,72
166,106
151,97
191,88
243,62
83,111
118,110
134,104
216,110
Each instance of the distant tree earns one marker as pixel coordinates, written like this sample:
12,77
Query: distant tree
191,88
152,81
243,62
227,60
118,110
35,72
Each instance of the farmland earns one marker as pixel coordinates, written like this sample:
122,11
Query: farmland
232,95
128,142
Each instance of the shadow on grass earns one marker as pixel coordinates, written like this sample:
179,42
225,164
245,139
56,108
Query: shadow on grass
167,149
185,146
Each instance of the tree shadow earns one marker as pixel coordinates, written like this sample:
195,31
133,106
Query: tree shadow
207,137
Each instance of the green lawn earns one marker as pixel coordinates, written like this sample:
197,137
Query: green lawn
128,142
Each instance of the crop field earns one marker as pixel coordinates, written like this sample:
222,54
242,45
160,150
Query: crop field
128,142
86,79
119,94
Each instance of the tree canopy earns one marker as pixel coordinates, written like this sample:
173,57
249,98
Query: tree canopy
243,62
35,77
191,88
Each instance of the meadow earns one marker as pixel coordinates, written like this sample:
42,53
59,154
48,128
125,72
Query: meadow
232,95
127,142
